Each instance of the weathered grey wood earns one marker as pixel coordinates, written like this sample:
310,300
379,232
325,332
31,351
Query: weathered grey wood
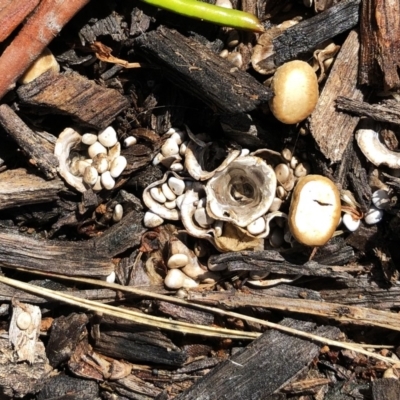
273,261
264,366
61,386
39,155
385,389
388,112
68,258
305,36
72,94
202,73
122,236
64,336
139,345
19,187
336,311
185,314
330,128
365,293
18,379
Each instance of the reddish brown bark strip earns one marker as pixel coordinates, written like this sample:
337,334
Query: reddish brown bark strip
47,21
380,44
12,13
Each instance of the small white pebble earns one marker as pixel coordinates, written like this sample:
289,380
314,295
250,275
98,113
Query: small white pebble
97,186
177,261
107,181
157,194
114,152
176,185
373,216
218,228
23,321
170,131
276,204
381,199
168,193
101,163
118,213
82,164
202,218
117,166
111,278
170,204
176,279
157,159
179,201
89,138
350,223
257,226
108,137
130,141
170,148
182,148
178,137
90,175
244,152
176,167
96,148
151,220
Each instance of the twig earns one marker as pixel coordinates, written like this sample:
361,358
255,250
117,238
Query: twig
349,346
12,14
134,316
41,28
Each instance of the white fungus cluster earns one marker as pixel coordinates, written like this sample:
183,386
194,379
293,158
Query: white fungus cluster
90,160
246,190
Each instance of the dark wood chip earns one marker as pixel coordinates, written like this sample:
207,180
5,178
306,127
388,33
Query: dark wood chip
72,94
202,73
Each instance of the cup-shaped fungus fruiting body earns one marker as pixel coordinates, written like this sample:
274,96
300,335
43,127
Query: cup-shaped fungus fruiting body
295,87
314,210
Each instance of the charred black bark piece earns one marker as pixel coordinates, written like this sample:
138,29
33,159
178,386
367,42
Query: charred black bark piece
261,368
197,70
305,36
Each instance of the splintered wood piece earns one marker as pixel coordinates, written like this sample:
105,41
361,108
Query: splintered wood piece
12,13
263,367
65,333
139,345
388,112
18,188
24,330
31,143
332,129
7,293
21,379
72,94
273,262
122,236
336,311
305,36
202,73
185,314
380,44
67,258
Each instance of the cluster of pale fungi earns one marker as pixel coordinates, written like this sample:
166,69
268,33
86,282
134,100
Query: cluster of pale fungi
92,160
239,202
